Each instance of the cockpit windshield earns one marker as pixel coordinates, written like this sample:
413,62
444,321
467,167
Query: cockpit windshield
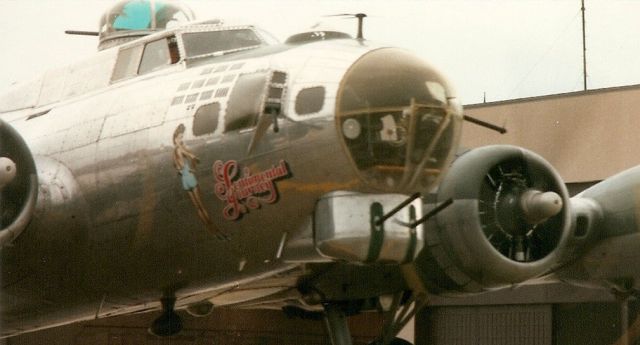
213,42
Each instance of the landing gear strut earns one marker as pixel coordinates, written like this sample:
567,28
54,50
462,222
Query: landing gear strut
398,316
335,321
395,318
169,323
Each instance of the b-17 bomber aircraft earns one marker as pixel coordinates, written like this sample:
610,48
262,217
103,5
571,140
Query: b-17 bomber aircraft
191,165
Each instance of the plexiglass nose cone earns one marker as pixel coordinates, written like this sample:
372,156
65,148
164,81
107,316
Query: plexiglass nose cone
398,119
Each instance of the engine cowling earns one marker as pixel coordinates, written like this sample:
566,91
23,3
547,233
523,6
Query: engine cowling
18,184
508,222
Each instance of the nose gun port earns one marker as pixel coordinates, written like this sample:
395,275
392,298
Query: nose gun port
398,119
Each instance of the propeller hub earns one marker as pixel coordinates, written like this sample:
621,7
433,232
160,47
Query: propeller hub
7,171
539,206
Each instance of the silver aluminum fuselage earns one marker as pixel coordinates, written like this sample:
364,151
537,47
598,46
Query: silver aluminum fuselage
114,229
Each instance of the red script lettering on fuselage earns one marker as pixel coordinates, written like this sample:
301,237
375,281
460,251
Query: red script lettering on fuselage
246,191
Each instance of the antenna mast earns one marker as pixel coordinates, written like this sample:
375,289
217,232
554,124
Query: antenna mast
584,50
360,17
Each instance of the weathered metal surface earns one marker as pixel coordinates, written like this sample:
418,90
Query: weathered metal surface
141,206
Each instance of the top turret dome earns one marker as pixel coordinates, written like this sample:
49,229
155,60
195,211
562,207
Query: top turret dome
131,19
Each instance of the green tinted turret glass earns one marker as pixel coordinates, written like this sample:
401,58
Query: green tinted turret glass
130,19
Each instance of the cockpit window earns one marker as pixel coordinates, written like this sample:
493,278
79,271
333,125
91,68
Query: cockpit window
267,36
211,42
156,55
141,59
127,63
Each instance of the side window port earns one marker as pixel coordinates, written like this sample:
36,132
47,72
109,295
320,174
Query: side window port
245,101
205,121
310,100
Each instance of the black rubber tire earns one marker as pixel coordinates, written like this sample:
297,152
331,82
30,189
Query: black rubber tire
395,341
168,324
399,341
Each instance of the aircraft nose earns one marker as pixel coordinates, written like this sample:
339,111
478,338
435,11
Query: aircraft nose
398,119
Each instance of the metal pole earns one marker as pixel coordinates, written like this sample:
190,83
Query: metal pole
624,322
360,17
336,326
584,50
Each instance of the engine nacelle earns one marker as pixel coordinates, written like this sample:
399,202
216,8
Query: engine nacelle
18,184
508,221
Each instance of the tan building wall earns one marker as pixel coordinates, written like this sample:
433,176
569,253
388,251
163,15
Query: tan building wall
586,136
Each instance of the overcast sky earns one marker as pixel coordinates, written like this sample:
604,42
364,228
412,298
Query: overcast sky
506,49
